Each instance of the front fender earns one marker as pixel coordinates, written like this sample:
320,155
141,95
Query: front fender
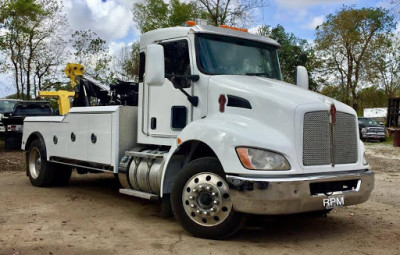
224,133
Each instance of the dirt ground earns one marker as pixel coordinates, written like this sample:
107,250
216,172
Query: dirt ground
89,216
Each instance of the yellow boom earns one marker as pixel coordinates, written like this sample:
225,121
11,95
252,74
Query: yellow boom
62,99
74,70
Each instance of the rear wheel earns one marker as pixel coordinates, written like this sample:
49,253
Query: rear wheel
201,200
40,171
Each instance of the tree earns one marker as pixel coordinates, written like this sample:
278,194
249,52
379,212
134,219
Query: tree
230,12
126,62
346,41
92,52
332,92
29,26
371,97
385,67
153,14
395,5
293,52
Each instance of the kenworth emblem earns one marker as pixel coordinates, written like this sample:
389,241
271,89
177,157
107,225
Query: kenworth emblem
332,112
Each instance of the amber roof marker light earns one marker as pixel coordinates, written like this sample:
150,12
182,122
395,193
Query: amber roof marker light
190,23
235,28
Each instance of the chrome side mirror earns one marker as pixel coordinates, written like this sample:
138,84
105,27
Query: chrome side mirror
155,72
302,77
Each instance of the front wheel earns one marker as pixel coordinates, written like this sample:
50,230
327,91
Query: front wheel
201,200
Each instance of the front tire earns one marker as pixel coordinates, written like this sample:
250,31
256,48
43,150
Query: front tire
201,200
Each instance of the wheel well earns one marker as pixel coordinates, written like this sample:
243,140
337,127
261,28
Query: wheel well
33,137
185,153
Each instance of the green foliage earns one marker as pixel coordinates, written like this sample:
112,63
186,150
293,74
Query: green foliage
230,12
293,52
153,14
371,97
31,27
346,42
92,52
332,92
126,62
131,65
385,66
17,14
13,96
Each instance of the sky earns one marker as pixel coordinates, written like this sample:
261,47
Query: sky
112,20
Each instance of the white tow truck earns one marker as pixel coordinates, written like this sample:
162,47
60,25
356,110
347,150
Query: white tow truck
216,134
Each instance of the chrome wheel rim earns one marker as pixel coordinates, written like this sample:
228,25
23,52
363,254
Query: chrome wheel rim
206,199
35,163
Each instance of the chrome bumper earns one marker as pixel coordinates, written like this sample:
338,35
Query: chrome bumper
373,135
292,194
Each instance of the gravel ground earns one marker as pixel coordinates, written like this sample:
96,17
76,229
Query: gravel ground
89,216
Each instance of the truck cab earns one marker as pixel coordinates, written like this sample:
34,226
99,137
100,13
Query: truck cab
216,134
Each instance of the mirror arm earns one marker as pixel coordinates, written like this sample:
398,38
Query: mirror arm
192,99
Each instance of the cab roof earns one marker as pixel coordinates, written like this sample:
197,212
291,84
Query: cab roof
176,32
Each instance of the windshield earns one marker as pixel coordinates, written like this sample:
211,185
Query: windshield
32,110
228,55
368,121
7,105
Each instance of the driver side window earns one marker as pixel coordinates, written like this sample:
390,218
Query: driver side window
177,61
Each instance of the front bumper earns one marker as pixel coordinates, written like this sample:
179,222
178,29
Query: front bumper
292,194
380,135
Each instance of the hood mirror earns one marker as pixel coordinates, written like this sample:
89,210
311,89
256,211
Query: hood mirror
301,77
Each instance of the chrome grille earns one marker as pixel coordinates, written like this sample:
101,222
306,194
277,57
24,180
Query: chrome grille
317,145
375,130
316,139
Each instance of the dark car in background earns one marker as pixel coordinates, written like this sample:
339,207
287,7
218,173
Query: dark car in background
370,129
14,120
6,105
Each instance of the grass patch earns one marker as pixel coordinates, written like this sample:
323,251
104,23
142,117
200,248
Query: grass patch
389,140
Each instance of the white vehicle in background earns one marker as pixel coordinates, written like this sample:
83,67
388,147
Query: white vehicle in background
216,134
6,105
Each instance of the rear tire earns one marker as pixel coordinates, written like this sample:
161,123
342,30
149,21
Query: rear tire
40,171
201,201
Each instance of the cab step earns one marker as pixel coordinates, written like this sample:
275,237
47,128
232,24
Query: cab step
136,193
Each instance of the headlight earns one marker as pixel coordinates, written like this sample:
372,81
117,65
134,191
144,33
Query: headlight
363,130
256,159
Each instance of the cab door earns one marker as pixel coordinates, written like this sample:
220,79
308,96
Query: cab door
169,111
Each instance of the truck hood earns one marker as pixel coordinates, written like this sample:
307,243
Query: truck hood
270,96
271,90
